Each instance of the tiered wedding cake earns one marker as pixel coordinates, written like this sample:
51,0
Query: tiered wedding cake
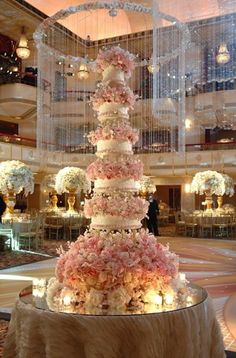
116,265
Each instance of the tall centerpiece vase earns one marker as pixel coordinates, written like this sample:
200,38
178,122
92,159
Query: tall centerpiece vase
143,194
208,201
71,202
220,201
54,201
10,201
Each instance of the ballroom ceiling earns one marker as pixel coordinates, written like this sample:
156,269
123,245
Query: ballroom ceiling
15,14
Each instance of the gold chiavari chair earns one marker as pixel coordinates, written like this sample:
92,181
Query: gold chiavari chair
191,225
206,226
221,226
180,223
55,227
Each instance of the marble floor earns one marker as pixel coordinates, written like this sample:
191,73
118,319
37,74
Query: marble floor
208,263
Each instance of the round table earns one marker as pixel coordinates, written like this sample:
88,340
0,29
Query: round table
191,332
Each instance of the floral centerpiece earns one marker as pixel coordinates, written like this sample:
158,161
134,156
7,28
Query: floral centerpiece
208,182
14,177
116,57
121,95
48,183
71,180
229,190
229,185
146,185
48,186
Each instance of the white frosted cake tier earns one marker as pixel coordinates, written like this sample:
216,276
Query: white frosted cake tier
114,108
114,222
114,146
116,184
113,74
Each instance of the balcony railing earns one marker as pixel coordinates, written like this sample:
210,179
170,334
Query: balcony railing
211,146
16,139
87,148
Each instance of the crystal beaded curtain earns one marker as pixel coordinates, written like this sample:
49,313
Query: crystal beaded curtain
210,71
66,52
170,40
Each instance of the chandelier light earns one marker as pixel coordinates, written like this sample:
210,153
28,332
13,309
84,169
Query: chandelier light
223,55
22,49
150,67
83,72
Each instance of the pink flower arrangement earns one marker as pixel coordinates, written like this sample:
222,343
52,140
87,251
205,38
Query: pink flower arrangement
107,260
127,207
122,133
116,57
120,95
107,169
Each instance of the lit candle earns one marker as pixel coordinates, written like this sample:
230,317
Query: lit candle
182,276
39,287
169,299
157,300
66,300
189,301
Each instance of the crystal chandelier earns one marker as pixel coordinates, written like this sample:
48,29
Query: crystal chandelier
151,68
223,55
83,72
22,49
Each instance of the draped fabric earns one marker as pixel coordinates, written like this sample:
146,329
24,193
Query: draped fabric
192,332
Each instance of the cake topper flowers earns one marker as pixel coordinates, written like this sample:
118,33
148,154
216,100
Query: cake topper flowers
117,57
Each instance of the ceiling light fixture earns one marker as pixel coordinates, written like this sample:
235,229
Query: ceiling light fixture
223,55
22,49
83,72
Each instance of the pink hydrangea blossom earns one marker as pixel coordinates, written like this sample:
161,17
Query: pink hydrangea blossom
117,57
121,95
132,207
124,132
107,169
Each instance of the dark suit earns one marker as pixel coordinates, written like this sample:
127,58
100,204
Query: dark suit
2,207
152,222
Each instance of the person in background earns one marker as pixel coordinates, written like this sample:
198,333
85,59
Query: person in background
153,211
2,207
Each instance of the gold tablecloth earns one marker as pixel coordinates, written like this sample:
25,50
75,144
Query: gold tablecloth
192,332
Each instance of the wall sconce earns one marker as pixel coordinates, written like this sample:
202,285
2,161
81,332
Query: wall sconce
187,188
22,49
188,123
83,72
223,55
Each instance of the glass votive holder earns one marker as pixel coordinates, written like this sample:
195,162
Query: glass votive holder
189,301
182,276
39,287
169,300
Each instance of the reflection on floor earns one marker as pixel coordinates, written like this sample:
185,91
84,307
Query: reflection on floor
208,263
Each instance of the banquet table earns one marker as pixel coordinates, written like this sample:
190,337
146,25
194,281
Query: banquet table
191,332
